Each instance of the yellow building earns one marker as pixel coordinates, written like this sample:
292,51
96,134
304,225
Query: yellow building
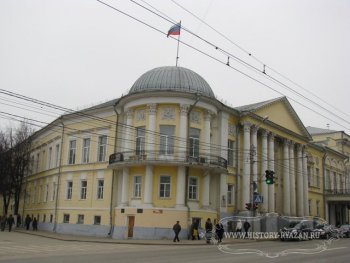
168,151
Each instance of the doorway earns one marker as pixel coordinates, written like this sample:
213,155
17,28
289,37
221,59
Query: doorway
131,223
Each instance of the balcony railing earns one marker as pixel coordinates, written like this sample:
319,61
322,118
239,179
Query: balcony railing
337,191
130,157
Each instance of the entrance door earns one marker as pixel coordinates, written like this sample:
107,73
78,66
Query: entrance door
131,222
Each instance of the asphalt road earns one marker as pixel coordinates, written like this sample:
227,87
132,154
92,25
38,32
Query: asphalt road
19,247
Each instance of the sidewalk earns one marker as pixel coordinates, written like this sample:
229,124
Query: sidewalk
75,238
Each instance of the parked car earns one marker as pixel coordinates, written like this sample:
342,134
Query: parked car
302,230
326,231
345,230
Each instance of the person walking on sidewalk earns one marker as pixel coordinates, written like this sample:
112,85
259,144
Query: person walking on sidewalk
246,227
35,224
27,221
219,231
239,226
208,230
177,229
10,222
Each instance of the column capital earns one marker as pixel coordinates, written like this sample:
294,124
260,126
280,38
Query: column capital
286,142
184,109
264,133
207,115
152,108
271,135
246,126
299,147
254,129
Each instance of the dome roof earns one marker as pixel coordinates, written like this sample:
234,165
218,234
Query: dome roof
172,79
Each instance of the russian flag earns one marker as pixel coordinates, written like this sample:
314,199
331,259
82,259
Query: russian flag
174,30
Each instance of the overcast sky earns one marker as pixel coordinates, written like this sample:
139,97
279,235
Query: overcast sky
78,53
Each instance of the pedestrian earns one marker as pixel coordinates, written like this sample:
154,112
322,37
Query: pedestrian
35,224
239,226
10,222
246,227
219,231
208,230
3,223
27,221
177,229
19,220
195,232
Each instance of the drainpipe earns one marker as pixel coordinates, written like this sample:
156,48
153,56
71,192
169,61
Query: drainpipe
111,228
324,186
238,168
59,177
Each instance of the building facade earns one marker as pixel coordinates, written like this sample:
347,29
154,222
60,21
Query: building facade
168,151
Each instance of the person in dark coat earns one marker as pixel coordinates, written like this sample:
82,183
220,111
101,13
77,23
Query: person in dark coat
208,230
3,222
246,227
219,231
19,220
35,224
27,221
195,232
177,229
10,222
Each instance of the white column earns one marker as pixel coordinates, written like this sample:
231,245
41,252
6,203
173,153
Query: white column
300,182
207,118
254,152
125,187
264,158
151,144
305,185
148,200
293,206
223,192
180,186
271,187
246,165
286,179
183,131
206,189
129,133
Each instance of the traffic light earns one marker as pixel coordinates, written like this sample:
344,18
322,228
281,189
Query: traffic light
269,175
248,206
255,206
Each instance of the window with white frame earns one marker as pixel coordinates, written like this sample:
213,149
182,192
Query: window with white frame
57,155
194,142
46,193
137,186
193,188
69,190
230,194
167,133
100,188
102,148
140,140
86,150
72,151
53,197
317,177
83,189
164,186
230,152
49,158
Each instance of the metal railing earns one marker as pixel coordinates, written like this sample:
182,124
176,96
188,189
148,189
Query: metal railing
159,156
337,191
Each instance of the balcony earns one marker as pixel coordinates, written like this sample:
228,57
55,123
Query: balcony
337,191
337,195
131,158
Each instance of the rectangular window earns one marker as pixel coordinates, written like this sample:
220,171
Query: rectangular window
102,148
80,219
229,194
69,190
37,162
97,220
230,153
317,208
194,142
83,189
309,176
49,158
66,218
164,187
53,197
100,186
140,140
72,151
86,150
318,177
46,193
34,194
167,133
137,186
193,188
51,218
44,218
57,154
310,208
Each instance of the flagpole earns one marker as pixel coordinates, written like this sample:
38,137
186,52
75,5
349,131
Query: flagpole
178,45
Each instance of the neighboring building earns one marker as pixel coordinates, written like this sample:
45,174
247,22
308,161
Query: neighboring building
336,146
168,151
